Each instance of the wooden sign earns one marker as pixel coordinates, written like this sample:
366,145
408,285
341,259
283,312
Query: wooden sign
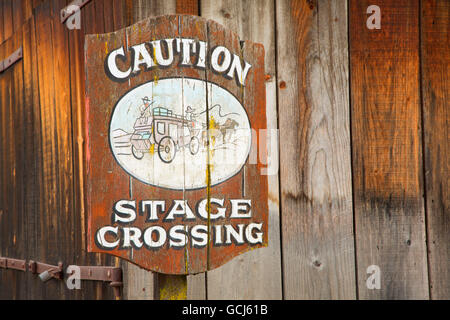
174,109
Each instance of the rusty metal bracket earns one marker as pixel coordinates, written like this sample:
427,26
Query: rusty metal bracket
13,58
16,264
69,10
46,271
107,274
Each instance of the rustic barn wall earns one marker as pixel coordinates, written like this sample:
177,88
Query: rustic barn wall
387,151
363,141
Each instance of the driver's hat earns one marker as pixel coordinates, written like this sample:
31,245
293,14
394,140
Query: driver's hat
146,99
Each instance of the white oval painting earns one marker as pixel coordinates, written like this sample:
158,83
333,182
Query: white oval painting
158,133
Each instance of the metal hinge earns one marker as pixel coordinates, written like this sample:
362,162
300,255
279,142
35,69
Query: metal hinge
46,271
14,57
113,275
108,274
16,264
73,7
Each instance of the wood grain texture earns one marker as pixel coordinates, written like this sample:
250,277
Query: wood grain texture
142,9
42,135
19,216
34,169
2,28
387,155
11,214
435,34
195,284
49,222
8,26
133,275
43,224
247,277
31,139
315,165
187,7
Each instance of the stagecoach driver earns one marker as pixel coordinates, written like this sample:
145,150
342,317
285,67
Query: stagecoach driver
145,109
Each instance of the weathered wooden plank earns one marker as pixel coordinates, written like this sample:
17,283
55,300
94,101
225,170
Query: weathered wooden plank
27,10
108,14
138,283
196,287
49,247
2,29
315,163
247,277
33,171
3,89
79,219
118,14
12,214
7,19
435,17
19,165
36,215
142,284
88,19
387,155
9,278
18,19
187,7
192,27
94,13
142,9
63,127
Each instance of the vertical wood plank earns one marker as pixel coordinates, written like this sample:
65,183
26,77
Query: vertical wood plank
7,19
95,11
435,18
19,166
108,13
196,285
5,82
142,9
79,221
256,274
64,134
33,176
9,277
187,7
139,283
2,28
387,155
48,238
315,163
18,18
27,9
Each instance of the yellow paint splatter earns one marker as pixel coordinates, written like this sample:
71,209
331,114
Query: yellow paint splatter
152,149
154,55
106,47
173,287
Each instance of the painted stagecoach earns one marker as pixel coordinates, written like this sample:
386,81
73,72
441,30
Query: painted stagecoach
165,131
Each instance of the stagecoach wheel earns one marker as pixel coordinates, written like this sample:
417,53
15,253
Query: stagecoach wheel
194,145
167,149
136,153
